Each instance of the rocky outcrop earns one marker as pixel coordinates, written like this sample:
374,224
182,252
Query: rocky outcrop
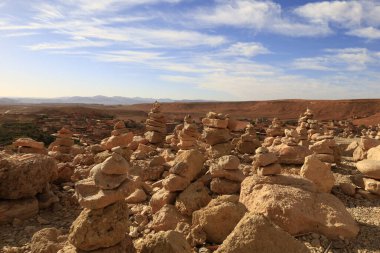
319,173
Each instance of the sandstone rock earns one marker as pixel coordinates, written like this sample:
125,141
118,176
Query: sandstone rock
318,172
219,150
47,240
125,246
326,158
237,125
193,198
174,183
372,185
265,159
321,147
115,165
167,218
219,217
255,233
137,196
154,137
160,198
290,154
215,136
245,147
194,161
367,143
224,186
28,142
121,140
24,176
374,153
229,162
359,154
233,175
99,228
20,209
295,205
215,123
369,168
272,169
168,242
106,181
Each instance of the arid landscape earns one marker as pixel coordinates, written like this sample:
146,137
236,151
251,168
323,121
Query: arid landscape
191,177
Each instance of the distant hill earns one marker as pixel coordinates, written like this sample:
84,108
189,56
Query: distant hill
103,100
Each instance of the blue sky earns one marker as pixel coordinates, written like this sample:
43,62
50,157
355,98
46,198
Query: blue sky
190,49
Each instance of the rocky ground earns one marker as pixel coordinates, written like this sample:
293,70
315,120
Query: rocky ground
17,237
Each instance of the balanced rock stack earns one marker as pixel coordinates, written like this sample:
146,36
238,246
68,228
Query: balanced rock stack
119,137
23,178
248,141
29,146
326,150
216,134
303,135
265,162
173,139
275,129
63,142
226,176
370,169
289,152
188,135
364,145
155,125
104,221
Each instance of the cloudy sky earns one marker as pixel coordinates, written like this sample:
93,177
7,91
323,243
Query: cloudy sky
190,49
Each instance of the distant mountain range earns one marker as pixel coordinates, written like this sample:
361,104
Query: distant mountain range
104,100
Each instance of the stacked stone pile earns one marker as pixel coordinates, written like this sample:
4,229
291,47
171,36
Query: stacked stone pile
188,135
370,169
120,137
29,146
226,176
265,162
248,142
104,222
24,185
63,142
155,125
275,129
216,134
326,150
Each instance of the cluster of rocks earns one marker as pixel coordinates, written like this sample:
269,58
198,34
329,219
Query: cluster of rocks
216,134
265,163
25,185
226,175
104,221
247,143
63,141
155,125
307,121
120,137
188,135
370,169
275,129
29,146
361,148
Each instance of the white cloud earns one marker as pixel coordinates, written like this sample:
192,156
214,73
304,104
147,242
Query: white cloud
367,32
346,59
246,49
257,15
68,45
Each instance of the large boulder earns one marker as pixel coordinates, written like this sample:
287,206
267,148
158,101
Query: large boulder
161,198
290,154
374,153
20,208
194,161
167,218
215,136
318,172
294,204
168,242
100,228
23,176
193,198
219,217
48,240
255,233
369,168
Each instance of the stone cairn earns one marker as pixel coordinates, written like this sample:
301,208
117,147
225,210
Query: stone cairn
63,142
275,129
265,162
291,138
369,180
188,135
29,146
119,137
248,142
216,135
302,132
155,125
326,150
226,175
306,120
104,221
173,139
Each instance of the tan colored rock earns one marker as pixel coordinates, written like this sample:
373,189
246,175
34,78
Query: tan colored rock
215,136
115,165
100,228
369,168
194,161
106,181
319,173
229,162
264,159
122,140
237,125
215,123
326,158
219,150
28,142
255,233
47,240
290,154
174,183
272,169
224,186
21,209
294,204
374,153
164,241
137,196
233,175
372,185
160,198
219,217
23,176
193,198
167,218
